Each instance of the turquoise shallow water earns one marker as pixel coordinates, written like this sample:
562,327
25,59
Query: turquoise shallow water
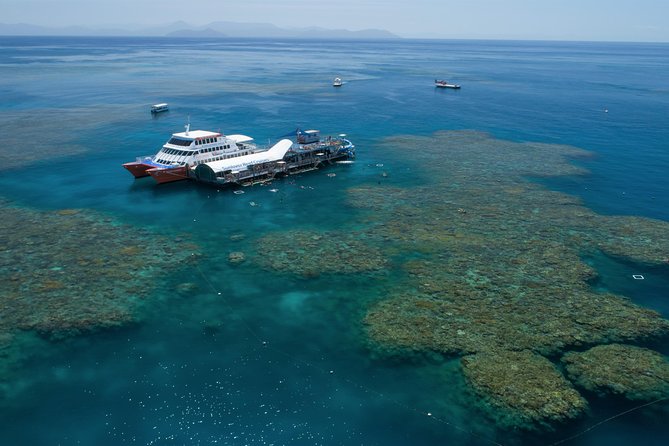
279,359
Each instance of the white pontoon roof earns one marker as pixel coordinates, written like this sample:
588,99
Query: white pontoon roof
240,138
277,152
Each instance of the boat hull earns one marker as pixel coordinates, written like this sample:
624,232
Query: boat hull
138,170
168,175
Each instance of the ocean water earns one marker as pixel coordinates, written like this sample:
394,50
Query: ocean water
250,356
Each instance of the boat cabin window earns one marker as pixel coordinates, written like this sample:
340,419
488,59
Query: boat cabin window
175,152
179,142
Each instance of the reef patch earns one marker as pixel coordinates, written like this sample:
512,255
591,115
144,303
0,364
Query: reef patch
526,389
310,253
498,264
633,372
70,271
487,264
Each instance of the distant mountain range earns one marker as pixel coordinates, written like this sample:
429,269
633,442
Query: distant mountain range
183,29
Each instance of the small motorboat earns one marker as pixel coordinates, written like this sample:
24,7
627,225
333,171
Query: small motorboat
337,82
439,83
159,108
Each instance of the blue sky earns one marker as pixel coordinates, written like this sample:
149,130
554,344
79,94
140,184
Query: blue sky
639,20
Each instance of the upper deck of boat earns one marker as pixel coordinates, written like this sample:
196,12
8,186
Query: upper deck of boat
196,134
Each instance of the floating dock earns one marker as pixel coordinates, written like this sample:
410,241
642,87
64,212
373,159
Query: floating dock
284,158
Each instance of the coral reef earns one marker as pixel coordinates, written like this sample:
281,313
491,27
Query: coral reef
491,265
69,271
310,254
497,261
634,372
48,133
525,388
468,322
236,257
501,266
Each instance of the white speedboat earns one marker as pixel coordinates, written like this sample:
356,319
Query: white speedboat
439,83
159,108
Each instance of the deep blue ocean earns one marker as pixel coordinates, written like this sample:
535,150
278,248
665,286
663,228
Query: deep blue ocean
167,380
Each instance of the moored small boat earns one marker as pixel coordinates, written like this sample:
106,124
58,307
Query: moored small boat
439,83
159,108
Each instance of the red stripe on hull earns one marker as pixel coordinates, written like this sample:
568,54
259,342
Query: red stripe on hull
169,175
138,170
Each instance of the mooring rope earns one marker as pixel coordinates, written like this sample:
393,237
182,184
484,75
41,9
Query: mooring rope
611,418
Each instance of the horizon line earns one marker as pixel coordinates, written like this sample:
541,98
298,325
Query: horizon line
393,38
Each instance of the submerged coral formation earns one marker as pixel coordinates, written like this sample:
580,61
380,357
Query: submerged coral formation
236,257
526,388
309,254
47,133
498,259
501,266
634,372
468,322
69,271
491,266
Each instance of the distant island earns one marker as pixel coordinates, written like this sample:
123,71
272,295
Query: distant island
211,30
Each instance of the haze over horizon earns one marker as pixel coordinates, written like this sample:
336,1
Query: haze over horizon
615,20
